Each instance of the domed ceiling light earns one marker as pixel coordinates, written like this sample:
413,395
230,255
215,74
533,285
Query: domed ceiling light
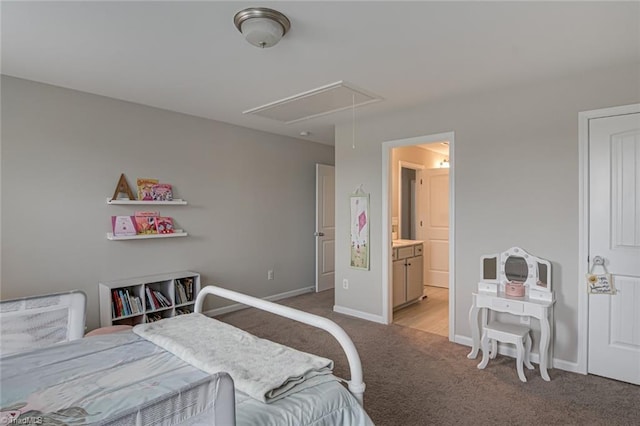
261,26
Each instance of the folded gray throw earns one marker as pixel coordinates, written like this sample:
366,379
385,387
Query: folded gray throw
262,369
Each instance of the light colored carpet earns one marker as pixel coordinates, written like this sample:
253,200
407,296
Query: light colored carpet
418,378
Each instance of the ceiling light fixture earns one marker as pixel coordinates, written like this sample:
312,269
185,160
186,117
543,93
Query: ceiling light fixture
261,26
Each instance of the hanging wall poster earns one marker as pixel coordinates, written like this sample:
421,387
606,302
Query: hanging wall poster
359,231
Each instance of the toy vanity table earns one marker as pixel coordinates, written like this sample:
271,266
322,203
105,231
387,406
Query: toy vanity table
517,283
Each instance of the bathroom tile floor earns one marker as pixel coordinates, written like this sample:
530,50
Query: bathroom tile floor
431,314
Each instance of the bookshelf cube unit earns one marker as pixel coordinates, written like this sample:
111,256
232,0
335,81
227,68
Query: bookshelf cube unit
137,300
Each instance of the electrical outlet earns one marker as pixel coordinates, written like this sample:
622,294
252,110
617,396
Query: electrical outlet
345,284
270,274
525,320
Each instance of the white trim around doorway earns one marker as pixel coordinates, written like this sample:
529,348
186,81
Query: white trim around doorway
583,222
387,308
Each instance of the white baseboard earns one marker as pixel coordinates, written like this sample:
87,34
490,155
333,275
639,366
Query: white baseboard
358,314
463,340
239,306
561,364
509,350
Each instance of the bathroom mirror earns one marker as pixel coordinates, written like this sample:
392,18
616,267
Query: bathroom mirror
516,269
408,203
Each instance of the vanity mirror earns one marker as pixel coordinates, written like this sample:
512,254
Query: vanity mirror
489,268
516,269
515,273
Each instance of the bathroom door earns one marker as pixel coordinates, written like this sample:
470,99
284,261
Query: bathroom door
436,227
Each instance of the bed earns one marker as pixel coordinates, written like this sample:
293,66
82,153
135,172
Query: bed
133,379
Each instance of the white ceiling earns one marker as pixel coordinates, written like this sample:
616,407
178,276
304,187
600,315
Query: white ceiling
189,57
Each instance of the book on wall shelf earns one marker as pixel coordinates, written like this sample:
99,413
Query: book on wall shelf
162,192
123,226
146,222
164,225
145,188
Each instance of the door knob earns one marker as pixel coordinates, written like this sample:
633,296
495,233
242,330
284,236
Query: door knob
319,234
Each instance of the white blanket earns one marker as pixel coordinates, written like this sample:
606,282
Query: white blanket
260,368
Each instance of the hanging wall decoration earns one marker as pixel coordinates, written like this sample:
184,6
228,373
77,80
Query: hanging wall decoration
600,283
359,250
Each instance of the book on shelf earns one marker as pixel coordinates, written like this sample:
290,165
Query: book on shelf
153,304
133,303
164,225
122,303
153,317
162,300
189,286
162,192
116,304
180,293
123,225
146,222
145,188
184,290
128,300
125,302
139,304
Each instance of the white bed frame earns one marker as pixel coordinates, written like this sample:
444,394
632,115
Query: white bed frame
356,385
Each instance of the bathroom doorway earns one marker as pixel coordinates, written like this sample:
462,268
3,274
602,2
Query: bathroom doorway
420,207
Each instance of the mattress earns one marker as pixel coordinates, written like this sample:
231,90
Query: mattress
123,379
327,404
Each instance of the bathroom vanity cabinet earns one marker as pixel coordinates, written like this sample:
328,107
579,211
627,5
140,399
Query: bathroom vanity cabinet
408,272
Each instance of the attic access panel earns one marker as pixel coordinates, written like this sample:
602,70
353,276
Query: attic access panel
315,103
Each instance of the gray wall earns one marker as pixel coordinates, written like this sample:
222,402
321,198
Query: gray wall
516,183
251,196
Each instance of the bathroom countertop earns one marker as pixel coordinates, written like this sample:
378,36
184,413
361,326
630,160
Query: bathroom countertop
405,243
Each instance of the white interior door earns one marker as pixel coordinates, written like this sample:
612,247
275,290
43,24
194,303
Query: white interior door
436,227
614,234
325,227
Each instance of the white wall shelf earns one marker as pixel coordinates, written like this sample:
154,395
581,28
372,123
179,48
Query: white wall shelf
176,202
176,233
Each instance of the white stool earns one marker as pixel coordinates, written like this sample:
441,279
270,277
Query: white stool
507,333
